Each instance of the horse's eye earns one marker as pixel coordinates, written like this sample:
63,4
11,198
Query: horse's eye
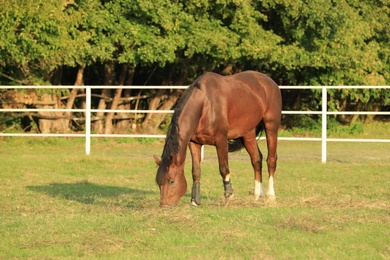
171,181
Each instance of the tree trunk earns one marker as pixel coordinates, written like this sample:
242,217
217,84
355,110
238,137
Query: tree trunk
109,79
110,115
98,124
154,105
56,124
355,117
153,120
115,101
123,125
163,100
73,93
375,108
344,119
228,70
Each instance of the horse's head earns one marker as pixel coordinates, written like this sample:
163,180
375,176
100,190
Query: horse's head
171,181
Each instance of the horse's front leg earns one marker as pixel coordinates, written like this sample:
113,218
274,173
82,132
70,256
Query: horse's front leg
222,152
195,150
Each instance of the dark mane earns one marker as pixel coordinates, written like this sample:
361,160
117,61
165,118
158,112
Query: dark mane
172,144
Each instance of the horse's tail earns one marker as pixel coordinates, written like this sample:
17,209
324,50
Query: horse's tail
237,144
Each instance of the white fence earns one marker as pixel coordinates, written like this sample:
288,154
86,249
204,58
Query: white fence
88,135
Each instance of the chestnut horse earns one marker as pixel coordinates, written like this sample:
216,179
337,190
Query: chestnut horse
227,112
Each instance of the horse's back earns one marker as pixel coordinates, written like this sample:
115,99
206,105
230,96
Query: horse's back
251,79
245,86
237,103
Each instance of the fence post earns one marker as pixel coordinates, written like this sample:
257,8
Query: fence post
324,122
88,120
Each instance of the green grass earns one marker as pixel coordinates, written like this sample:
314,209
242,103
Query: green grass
56,202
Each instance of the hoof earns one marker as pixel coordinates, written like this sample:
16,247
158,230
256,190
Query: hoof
195,195
271,198
193,203
257,197
228,195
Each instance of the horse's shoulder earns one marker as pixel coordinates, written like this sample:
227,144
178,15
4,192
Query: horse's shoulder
205,79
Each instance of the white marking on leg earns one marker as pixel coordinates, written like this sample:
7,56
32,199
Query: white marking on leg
271,191
258,189
227,177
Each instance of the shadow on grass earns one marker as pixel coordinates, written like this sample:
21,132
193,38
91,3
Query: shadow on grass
89,193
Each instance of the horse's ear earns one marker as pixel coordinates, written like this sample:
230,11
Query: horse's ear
157,160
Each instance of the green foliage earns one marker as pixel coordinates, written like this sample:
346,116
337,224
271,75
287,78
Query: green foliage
299,42
9,124
337,42
305,42
35,40
335,129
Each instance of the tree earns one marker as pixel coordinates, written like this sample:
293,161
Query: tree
101,42
333,43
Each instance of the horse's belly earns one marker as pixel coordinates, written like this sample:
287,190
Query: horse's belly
203,139
243,125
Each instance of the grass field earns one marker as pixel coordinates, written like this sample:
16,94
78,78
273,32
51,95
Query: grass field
56,202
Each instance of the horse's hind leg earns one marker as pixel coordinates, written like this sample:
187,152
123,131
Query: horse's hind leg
195,150
256,160
271,129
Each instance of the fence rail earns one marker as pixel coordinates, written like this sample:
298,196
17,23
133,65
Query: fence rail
88,110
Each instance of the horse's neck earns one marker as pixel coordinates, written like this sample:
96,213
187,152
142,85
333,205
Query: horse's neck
187,121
